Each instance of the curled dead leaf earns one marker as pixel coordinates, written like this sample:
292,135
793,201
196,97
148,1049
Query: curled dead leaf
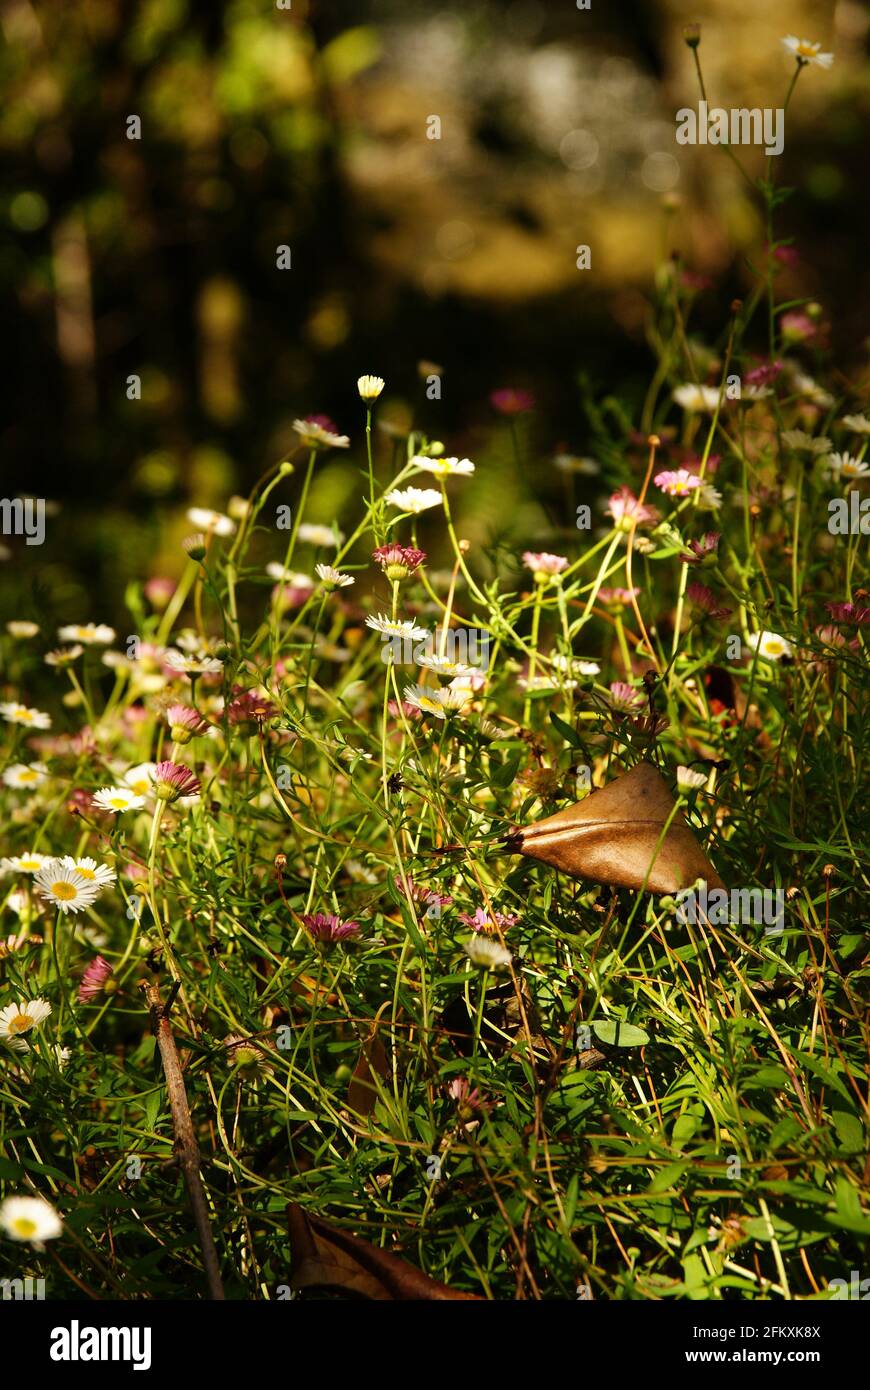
325,1257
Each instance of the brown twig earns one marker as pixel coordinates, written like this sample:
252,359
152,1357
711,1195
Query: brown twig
186,1146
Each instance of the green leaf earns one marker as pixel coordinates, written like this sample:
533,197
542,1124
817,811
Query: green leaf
850,1130
569,735
619,1034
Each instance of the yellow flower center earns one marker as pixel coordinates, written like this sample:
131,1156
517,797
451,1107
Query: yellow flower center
806,49
28,776
119,803
63,890
21,1023
85,873
25,715
24,1227
29,865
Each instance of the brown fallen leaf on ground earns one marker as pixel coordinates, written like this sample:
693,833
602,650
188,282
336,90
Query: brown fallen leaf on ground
612,836
324,1257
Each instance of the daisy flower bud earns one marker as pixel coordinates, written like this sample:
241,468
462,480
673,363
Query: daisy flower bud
95,980
185,723
195,546
370,387
171,781
689,781
398,561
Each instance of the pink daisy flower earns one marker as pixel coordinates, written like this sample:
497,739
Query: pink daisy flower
542,562
326,927
677,482
704,599
848,613
625,509
481,920
624,697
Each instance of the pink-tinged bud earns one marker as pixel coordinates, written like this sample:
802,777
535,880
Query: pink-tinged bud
171,781
398,561
159,591
508,401
95,980
185,723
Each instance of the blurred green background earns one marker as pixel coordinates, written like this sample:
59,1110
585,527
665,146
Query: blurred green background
307,127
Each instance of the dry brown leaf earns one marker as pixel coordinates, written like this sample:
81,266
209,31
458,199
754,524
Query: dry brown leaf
612,837
322,1256
362,1093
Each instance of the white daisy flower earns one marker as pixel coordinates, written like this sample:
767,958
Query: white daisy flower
310,534
414,499
696,398
64,656
569,463
87,633
370,387
444,666
333,578
707,498
25,863
859,424
118,799
388,627
443,467
805,386
688,780
193,665
360,873
575,666
799,440
839,466
118,661
22,777
190,642
487,954
291,578
18,1019
315,435
140,778
439,703
206,520
807,52
546,683
31,1219
14,713
19,627
69,890
89,869
770,646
